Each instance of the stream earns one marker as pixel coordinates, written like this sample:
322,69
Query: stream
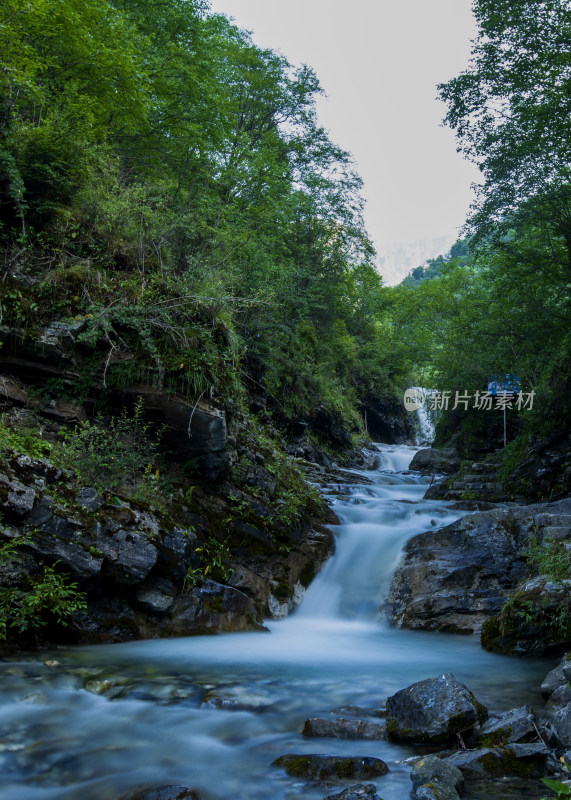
214,712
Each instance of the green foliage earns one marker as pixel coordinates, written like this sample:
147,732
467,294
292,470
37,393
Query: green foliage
552,558
23,439
205,228
560,789
47,597
106,456
215,560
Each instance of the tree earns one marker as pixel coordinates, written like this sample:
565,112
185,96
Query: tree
511,111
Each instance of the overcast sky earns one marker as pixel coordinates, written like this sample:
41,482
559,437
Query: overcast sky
379,62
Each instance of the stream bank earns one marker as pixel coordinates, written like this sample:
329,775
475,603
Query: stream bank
214,713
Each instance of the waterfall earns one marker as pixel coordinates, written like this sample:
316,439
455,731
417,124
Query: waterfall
424,421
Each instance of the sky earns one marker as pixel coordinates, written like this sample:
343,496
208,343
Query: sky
379,62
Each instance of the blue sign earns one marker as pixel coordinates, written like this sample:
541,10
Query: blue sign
506,384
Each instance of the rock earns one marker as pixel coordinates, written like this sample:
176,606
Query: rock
161,793
433,711
129,555
560,724
360,791
61,540
359,711
433,461
90,499
212,608
176,554
197,429
332,426
478,764
330,768
344,728
237,698
154,600
530,760
454,578
516,725
19,498
560,697
433,778
531,623
388,421
555,678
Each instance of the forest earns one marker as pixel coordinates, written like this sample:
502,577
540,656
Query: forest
168,182
203,426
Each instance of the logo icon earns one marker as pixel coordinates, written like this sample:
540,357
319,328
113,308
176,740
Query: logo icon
414,399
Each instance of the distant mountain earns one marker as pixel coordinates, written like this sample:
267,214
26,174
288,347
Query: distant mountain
396,260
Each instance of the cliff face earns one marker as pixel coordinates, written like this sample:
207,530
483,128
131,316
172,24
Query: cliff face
170,517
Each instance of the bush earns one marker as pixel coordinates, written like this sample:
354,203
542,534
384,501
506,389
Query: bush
41,598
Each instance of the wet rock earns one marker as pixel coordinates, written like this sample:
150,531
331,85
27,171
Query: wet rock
359,711
237,698
478,764
434,779
433,461
212,608
360,791
528,759
161,793
344,728
455,578
433,711
331,768
516,725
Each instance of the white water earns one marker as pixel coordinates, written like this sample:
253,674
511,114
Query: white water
58,740
425,419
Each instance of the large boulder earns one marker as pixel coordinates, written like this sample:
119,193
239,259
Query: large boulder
434,461
211,608
454,578
433,711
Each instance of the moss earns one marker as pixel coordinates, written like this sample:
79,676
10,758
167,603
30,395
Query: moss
215,604
296,767
283,590
497,737
491,764
345,768
307,575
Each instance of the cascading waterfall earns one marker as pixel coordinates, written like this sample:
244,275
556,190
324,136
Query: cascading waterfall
424,418
214,712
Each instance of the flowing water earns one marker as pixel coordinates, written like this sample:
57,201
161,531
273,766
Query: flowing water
106,718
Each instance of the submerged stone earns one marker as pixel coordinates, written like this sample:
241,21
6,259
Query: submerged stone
344,728
331,768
